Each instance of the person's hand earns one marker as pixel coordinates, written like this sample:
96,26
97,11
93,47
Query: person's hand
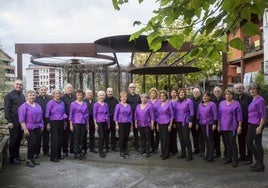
169,128
48,127
26,132
10,125
213,127
196,127
117,127
72,128
190,125
258,130
239,130
96,127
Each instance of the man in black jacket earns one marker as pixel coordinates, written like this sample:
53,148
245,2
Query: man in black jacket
12,101
42,99
112,102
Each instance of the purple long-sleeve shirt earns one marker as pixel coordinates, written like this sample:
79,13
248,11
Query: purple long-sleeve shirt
32,116
101,112
78,113
154,106
207,114
55,110
123,114
230,115
144,116
164,113
183,111
256,111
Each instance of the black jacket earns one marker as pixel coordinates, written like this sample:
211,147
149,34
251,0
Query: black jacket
12,102
112,102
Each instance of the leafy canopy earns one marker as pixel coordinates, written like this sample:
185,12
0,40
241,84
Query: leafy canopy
211,18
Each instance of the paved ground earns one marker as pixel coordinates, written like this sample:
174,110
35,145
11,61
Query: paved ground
135,171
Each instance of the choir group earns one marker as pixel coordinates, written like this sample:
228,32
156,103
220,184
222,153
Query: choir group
63,122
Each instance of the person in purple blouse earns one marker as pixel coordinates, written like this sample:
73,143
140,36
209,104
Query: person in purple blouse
164,119
31,120
78,117
184,112
207,116
256,119
154,132
173,147
55,114
230,123
123,121
101,121
144,121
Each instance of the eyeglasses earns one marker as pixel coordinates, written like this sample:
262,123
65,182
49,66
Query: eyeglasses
132,87
18,84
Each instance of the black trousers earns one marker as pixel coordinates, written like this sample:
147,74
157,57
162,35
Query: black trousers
254,143
209,141
173,148
91,133
244,151
43,141
217,143
124,130
68,138
231,146
145,134
154,138
196,137
15,137
103,135
136,137
56,130
164,139
79,134
185,141
33,141
112,132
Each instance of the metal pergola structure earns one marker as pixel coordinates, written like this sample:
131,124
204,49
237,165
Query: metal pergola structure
108,48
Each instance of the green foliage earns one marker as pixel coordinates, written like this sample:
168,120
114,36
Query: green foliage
200,17
2,82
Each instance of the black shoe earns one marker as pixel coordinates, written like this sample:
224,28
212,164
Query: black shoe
14,161
114,149
46,154
181,156
147,155
30,164
228,161
189,158
210,159
138,149
126,153
61,158
19,158
78,156
54,160
258,168
235,164
165,157
35,163
106,150
93,151
247,162
102,155
122,155
205,158
196,151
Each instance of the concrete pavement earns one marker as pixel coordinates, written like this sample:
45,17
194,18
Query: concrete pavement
134,171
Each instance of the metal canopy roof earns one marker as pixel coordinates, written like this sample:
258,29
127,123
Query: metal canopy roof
164,70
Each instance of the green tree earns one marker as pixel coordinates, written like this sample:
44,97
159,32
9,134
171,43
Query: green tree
2,82
212,18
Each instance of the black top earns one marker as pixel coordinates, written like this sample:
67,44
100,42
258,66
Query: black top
12,102
112,102
42,101
244,101
196,102
90,106
217,101
133,100
68,99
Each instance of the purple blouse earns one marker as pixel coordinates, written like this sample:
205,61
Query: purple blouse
207,114
230,115
164,113
55,110
145,115
78,113
101,113
183,111
256,111
123,114
31,116
154,105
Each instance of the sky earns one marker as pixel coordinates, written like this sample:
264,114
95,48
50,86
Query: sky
67,21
